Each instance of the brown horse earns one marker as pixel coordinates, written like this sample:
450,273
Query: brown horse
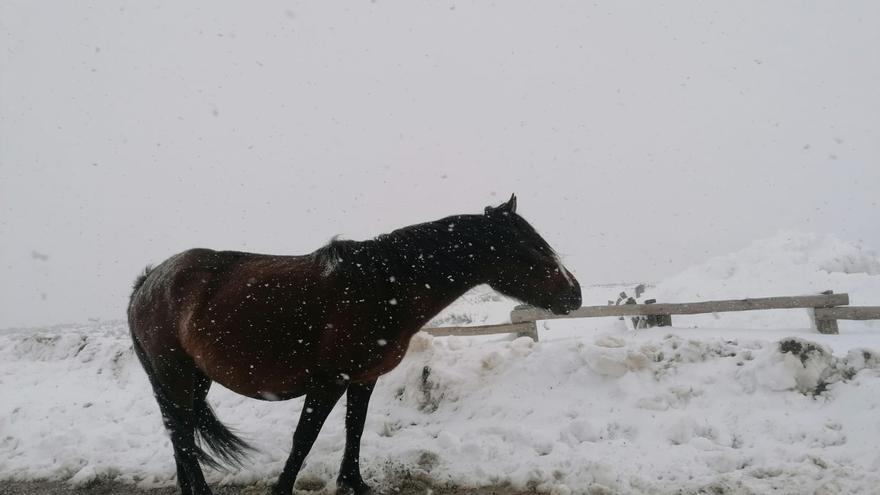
319,325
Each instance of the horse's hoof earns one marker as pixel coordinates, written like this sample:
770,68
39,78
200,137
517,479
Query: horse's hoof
276,490
356,487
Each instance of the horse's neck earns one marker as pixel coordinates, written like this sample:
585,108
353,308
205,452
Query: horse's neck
418,303
424,283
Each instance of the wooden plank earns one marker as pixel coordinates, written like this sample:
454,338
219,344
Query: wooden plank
849,313
526,328
813,301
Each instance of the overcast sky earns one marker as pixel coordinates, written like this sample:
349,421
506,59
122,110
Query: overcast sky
640,137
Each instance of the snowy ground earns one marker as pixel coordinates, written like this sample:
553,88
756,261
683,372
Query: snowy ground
733,406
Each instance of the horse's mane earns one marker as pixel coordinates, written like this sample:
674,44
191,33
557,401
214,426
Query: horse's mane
393,247
429,238
335,250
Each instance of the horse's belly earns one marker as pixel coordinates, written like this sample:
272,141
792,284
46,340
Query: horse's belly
264,372
261,383
278,365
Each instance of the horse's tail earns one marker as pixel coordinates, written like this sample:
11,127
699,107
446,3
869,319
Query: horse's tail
138,283
222,442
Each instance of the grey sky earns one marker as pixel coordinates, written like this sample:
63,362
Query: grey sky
640,137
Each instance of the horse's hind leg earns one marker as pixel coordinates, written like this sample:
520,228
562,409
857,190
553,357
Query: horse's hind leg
176,385
189,473
180,419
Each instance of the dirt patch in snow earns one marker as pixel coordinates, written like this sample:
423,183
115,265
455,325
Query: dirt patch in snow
412,487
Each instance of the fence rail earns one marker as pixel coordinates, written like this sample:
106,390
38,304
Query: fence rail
691,308
826,309
527,329
849,313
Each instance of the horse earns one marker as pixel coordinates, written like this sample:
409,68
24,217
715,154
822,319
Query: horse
321,325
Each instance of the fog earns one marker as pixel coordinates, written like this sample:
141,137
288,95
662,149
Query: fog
639,137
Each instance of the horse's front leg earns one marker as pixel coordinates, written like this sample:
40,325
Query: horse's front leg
357,400
317,406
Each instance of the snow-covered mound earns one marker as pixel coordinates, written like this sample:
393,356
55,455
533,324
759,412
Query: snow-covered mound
479,306
609,413
789,263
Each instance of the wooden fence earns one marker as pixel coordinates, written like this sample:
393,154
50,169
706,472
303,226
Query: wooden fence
826,309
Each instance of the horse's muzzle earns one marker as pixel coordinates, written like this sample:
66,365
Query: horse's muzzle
568,302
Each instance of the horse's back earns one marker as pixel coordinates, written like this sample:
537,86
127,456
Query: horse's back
193,276
162,283
215,308
168,294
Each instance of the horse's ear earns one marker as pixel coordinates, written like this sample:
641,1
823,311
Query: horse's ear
511,204
504,208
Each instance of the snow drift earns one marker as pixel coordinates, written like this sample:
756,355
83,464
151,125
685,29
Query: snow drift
787,264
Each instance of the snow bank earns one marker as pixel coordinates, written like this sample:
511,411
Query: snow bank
789,263
615,413
479,306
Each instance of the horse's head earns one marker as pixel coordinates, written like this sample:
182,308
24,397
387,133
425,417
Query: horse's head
525,266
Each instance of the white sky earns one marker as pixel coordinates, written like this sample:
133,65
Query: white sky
640,137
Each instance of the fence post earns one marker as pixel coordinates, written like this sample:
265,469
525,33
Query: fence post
657,320
531,331
824,325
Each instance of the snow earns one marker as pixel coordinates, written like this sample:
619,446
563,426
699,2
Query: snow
789,263
743,403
